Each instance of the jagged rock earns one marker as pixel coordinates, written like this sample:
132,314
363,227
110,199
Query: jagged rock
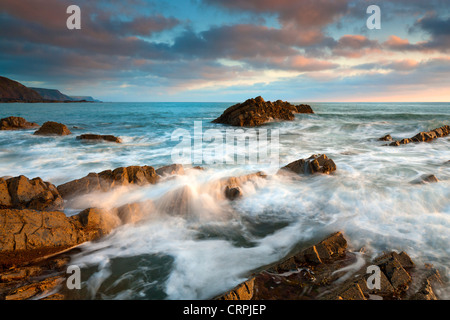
173,169
35,289
425,136
106,180
29,234
314,164
98,137
21,192
255,112
243,291
51,128
386,138
15,123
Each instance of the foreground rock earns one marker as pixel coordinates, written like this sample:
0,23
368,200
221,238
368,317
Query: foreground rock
108,179
231,187
21,192
16,123
51,128
255,112
314,164
29,234
320,273
98,137
424,136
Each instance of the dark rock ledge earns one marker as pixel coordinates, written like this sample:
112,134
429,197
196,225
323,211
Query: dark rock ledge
313,274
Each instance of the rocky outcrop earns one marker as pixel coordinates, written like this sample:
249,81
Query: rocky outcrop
52,94
108,179
21,192
16,123
255,112
314,164
51,128
98,137
424,136
29,234
327,271
386,138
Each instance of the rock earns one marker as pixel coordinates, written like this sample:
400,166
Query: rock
35,289
304,108
15,123
314,164
106,180
233,193
232,186
21,192
255,112
426,179
51,128
135,212
173,169
425,136
430,179
386,138
393,266
29,234
96,222
243,291
98,137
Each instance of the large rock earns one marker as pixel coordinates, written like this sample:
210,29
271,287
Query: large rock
51,128
29,234
15,123
173,169
255,112
21,192
231,187
314,164
98,137
108,179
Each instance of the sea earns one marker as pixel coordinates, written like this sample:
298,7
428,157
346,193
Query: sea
373,197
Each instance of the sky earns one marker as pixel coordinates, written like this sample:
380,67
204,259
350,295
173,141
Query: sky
230,50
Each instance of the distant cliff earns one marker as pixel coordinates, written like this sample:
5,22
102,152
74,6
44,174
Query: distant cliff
52,94
13,91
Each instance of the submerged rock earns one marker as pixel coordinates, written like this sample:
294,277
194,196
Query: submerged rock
255,112
51,128
108,179
16,123
314,164
98,137
173,169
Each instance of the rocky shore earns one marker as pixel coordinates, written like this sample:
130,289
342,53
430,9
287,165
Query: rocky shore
329,271
37,238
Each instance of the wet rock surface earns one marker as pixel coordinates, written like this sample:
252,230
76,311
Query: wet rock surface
255,112
16,123
328,271
314,164
21,192
51,128
108,179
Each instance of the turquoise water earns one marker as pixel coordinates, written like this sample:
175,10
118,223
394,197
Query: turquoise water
370,197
